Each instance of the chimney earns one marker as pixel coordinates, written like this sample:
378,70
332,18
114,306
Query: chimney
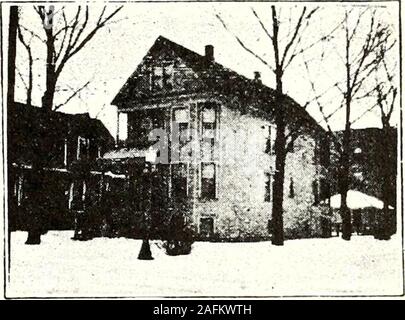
257,76
209,52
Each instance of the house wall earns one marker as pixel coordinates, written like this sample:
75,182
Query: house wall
240,210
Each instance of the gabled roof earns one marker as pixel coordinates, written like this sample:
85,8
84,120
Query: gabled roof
33,120
215,78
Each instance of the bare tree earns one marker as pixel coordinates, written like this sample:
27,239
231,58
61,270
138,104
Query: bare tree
358,68
64,43
359,65
282,58
385,93
61,45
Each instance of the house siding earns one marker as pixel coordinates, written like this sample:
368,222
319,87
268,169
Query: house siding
240,211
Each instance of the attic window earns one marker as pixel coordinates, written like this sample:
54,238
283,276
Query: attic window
161,77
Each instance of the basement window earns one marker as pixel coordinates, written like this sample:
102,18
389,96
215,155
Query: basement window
206,227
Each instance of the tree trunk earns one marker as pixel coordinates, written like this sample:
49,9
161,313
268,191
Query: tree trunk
278,187
343,189
345,158
280,150
51,76
344,182
12,50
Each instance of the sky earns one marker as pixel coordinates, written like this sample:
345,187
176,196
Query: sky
114,53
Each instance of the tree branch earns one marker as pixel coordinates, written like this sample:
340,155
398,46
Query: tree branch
244,46
72,96
296,31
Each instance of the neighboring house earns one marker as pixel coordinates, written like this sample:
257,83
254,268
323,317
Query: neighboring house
65,140
367,163
212,132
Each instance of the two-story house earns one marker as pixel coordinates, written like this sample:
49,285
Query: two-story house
65,140
211,132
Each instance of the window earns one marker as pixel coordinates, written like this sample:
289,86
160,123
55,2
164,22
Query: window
206,227
208,181
358,175
291,194
324,189
208,115
82,148
179,181
77,195
268,186
140,124
162,77
208,132
158,78
358,155
208,149
181,135
270,139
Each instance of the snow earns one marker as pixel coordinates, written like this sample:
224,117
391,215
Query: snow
102,267
357,200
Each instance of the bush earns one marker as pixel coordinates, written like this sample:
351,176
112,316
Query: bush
177,247
180,237
305,225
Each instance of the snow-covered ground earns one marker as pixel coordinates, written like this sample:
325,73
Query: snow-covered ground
109,267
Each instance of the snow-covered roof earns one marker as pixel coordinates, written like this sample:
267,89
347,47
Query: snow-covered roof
357,200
